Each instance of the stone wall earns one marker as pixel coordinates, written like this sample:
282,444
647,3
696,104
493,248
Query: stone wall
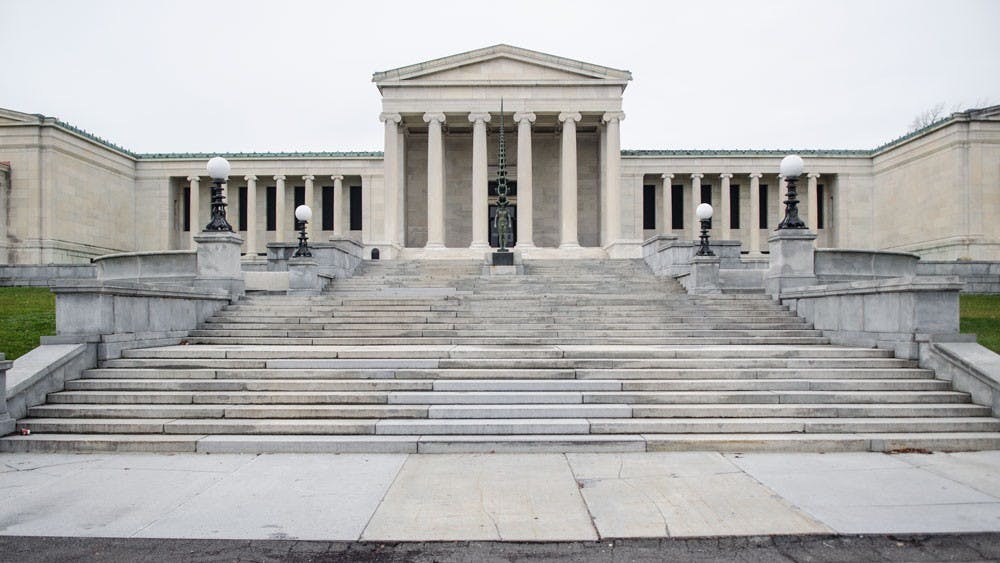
44,276
937,194
977,277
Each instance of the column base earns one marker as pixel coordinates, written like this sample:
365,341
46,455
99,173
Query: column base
479,246
434,245
525,246
569,246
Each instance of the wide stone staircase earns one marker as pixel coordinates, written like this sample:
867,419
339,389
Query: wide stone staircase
432,356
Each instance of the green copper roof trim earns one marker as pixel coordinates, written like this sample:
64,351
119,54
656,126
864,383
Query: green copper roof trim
747,152
261,155
88,135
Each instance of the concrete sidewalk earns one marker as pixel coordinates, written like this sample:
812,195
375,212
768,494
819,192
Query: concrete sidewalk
510,497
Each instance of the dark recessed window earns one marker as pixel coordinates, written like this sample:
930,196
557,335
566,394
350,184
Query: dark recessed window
327,208
762,215
734,207
271,197
242,207
706,197
677,207
820,200
187,209
299,198
649,207
355,208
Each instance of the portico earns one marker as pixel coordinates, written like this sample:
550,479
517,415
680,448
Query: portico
561,120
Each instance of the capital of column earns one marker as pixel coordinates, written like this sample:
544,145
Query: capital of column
756,175
434,117
520,116
336,177
308,178
250,178
567,115
726,176
697,176
667,176
479,116
813,175
279,177
193,179
389,116
612,115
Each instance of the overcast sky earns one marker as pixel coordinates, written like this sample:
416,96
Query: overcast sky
179,76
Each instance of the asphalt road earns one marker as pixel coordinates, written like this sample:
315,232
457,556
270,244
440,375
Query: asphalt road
810,548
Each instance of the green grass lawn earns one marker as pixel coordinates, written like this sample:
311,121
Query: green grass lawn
981,315
25,314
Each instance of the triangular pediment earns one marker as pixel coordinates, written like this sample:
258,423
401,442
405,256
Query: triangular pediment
501,64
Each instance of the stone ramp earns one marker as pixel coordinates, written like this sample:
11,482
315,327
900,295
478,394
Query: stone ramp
585,356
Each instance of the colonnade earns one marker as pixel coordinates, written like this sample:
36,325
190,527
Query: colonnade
721,215
283,221
568,185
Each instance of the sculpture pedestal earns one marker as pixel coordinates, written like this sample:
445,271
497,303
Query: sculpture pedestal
503,263
219,261
705,275
792,261
303,276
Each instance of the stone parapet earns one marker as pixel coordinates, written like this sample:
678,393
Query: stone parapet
149,266
837,265
894,313
6,421
338,258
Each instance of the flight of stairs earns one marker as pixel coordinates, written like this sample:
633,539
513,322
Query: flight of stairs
571,356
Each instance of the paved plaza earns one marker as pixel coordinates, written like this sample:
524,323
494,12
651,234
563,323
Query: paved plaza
497,497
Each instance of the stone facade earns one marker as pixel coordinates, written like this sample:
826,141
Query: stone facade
67,196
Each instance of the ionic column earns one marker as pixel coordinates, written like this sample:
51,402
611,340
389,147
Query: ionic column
668,204
812,217
755,213
568,185
308,200
695,200
613,158
251,240
193,211
480,181
435,180
280,218
525,216
338,207
726,228
390,164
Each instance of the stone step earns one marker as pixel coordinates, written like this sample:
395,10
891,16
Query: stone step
512,340
587,410
876,442
494,333
490,352
787,425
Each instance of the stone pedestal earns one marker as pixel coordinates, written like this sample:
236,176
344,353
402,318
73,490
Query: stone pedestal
503,263
705,275
219,261
791,261
6,422
303,276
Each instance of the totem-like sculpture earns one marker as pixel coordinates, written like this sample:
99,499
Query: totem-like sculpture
502,221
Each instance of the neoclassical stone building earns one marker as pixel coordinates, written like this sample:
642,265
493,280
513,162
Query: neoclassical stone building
67,195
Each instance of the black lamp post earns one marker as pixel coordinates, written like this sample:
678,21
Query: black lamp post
704,214
303,213
218,170
791,169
